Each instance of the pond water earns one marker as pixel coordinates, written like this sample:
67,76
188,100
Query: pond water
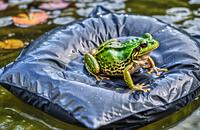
16,115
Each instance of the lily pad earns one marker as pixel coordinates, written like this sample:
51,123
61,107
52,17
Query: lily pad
192,26
178,11
197,12
54,14
18,2
63,20
26,20
11,44
54,5
3,6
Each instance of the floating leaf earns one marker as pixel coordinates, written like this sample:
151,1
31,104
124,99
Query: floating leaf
34,18
192,26
18,2
197,12
11,44
5,21
23,6
54,5
178,11
194,2
63,20
3,6
54,14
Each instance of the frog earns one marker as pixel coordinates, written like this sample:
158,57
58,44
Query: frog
116,58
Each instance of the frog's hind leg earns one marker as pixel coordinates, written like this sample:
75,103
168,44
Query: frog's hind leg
92,65
153,67
129,81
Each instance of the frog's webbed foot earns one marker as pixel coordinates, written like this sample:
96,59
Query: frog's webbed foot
152,67
101,78
141,87
157,70
97,78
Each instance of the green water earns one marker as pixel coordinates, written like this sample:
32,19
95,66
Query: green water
16,115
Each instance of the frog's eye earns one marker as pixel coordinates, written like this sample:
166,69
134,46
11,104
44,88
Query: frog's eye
143,44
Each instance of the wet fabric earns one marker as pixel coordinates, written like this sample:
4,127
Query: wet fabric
49,74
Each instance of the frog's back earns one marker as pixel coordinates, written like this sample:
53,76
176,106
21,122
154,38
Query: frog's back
115,56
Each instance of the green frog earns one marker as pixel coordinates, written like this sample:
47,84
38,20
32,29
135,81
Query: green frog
116,58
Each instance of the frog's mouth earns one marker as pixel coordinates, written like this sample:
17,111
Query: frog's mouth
147,52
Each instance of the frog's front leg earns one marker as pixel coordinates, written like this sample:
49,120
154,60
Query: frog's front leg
153,68
129,81
92,65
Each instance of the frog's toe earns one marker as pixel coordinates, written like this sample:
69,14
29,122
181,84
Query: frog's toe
142,84
160,69
141,87
164,70
98,78
145,89
107,78
158,73
149,72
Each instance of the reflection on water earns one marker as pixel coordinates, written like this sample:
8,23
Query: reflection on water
174,15
84,8
192,26
14,114
194,2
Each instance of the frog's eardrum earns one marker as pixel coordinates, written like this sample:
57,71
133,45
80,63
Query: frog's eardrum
50,75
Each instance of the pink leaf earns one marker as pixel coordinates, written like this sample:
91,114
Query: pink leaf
3,6
54,5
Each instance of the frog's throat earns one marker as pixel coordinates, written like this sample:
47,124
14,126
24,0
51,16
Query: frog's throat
145,56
